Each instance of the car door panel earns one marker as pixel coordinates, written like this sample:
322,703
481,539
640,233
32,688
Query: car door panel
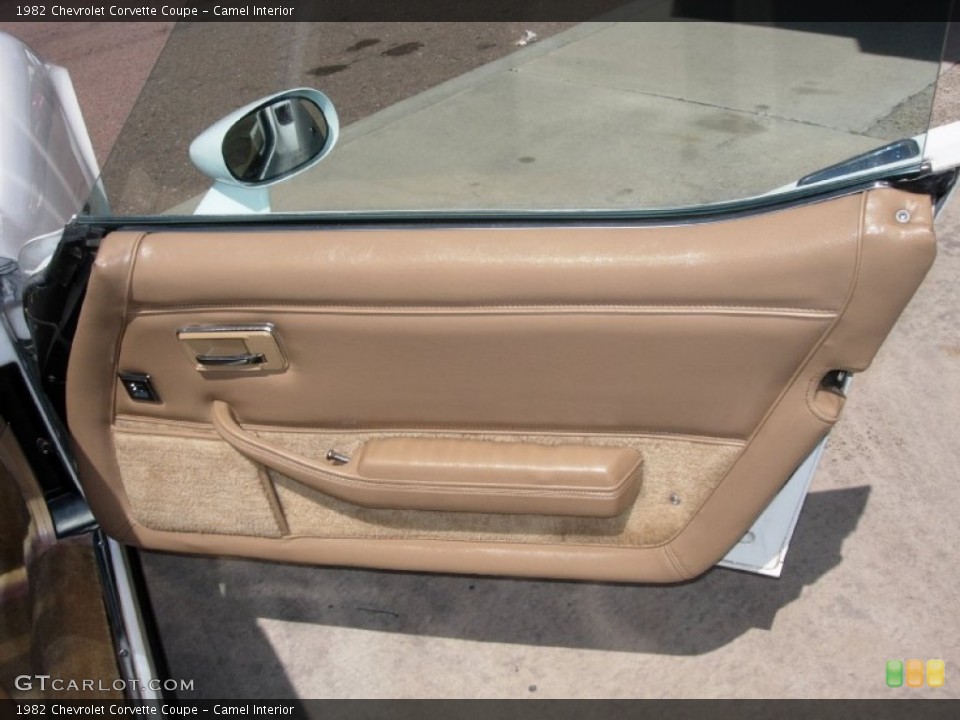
488,373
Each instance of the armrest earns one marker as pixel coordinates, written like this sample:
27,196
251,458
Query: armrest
459,475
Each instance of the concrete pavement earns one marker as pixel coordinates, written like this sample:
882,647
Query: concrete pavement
626,115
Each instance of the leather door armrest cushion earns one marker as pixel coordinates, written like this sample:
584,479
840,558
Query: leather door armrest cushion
510,477
458,475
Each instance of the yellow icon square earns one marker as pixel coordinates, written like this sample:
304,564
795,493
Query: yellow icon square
915,673
936,672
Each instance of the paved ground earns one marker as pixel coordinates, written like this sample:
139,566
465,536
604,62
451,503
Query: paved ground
871,574
363,67
629,105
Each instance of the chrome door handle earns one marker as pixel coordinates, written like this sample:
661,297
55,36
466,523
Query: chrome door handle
243,360
234,349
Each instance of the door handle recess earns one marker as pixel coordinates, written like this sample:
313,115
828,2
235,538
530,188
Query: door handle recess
233,348
232,360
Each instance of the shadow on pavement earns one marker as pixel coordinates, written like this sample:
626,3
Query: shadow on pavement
922,39
208,608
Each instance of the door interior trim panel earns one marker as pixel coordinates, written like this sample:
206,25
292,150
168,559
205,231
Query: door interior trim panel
716,374
698,349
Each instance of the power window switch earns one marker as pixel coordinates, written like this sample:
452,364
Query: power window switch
139,387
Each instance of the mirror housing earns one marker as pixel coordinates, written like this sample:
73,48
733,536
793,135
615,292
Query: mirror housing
268,141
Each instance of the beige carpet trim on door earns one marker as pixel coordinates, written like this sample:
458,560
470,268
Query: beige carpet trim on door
197,483
682,468
193,485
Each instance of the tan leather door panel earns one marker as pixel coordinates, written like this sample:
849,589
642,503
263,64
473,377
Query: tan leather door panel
592,402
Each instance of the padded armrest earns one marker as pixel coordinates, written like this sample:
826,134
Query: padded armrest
459,475
510,477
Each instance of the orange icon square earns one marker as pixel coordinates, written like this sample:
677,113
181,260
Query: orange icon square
915,673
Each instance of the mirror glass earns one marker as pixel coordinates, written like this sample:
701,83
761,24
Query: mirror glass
274,140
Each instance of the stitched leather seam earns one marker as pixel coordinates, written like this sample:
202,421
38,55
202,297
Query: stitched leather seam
458,430
675,561
190,428
268,306
521,546
270,492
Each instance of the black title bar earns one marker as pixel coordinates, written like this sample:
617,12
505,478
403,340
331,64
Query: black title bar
472,10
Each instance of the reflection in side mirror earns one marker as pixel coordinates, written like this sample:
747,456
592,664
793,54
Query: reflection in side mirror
262,144
269,140
275,140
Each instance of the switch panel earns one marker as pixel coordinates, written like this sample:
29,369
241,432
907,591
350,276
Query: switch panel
139,387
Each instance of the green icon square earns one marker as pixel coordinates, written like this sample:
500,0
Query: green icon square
894,673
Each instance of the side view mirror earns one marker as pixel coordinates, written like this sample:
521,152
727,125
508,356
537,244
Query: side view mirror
262,144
